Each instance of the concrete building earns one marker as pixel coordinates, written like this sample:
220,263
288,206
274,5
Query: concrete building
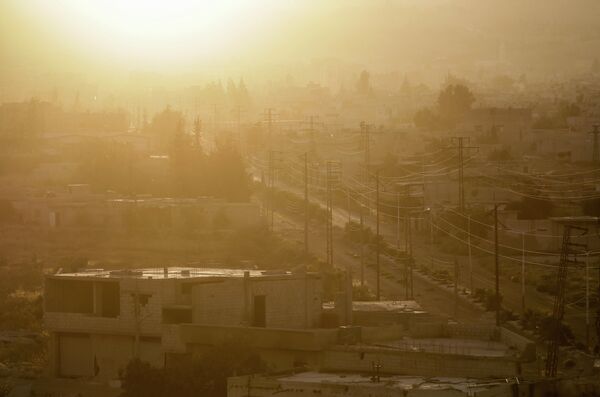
99,320
77,207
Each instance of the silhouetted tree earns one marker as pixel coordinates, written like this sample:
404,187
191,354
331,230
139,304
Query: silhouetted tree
426,120
205,375
454,102
164,127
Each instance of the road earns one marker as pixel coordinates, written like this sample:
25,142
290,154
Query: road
430,296
483,276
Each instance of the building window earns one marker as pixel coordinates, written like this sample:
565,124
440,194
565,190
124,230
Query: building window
259,318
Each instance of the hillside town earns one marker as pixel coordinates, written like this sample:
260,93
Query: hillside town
306,222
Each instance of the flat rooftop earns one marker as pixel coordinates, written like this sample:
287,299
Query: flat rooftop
465,385
408,306
468,347
171,273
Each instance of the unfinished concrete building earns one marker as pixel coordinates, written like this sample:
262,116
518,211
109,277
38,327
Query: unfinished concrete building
99,320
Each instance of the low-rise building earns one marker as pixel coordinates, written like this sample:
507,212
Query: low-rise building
99,320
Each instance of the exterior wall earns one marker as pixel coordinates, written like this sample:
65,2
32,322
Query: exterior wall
149,318
101,357
219,303
290,302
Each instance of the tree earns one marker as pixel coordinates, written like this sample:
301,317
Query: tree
426,120
454,102
243,98
227,177
142,379
204,375
164,127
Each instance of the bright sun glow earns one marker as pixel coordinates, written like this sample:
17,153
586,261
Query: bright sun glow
161,32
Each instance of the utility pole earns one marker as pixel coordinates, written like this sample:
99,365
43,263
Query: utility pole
460,140
397,221
407,261
410,257
197,131
348,205
271,187
587,299
523,271
378,236
455,288
595,150
312,138
362,248
238,111
269,116
366,146
497,265
470,256
306,214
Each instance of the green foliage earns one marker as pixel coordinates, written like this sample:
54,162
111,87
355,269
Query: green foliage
20,300
21,310
427,120
488,298
454,102
362,293
5,387
353,233
546,327
205,375
188,171
265,248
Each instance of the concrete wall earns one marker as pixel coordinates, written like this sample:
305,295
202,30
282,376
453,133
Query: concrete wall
290,302
361,359
154,294
280,349
97,356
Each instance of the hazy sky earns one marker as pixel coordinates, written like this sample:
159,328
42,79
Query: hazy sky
108,37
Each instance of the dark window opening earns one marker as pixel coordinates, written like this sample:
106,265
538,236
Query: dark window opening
142,299
110,304
260,311
177,316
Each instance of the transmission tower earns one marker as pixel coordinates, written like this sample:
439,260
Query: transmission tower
365,131
567,252
460,140
312,129
333,177
274,162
